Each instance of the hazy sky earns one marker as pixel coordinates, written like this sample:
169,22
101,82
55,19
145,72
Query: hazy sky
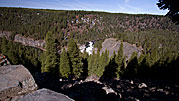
119,6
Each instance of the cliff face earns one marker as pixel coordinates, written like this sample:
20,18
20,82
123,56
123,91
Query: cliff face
29,41
112,45
24,40
6,34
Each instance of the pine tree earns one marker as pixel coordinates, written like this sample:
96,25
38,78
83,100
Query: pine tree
154,57
4,47
103,62
148,59
64,67
85,57
110,69
119,60
11,53
141,57
91,63
132,67
97,64
50,59
75,59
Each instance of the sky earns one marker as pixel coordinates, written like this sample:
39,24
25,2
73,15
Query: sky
113,6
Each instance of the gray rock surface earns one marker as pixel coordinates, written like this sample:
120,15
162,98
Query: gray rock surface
142,85
29,41
45,95
6,34
109,90
15,80
111,44
92,78
24,40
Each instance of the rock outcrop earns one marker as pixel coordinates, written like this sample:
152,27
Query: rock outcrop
6,34
29,41
45,95
112,45
15,80
24,40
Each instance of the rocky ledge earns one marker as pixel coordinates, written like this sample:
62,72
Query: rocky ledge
17,84
16,80
45,95
29,41
111,44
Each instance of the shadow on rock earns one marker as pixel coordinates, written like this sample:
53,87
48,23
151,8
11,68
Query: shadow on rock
138,89
90,91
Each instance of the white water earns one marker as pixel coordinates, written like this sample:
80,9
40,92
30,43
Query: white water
88,49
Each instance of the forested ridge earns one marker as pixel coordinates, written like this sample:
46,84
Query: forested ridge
157,35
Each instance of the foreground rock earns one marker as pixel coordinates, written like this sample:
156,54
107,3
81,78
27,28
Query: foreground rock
45,95
91,91
145,89
15,80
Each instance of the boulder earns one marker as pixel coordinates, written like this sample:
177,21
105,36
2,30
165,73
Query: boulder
142,85
109,90
15,80
45,95
92,78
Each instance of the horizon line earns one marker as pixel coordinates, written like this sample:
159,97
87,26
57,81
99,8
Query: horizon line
81,10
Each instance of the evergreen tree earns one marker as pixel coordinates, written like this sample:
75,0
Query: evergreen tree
144,68
11,53
91,63
64,67
119,60
4,47
75,59
148,59
85,57
154,57
172,6
110,69
141,57
132,67
50,59
103,61
97,64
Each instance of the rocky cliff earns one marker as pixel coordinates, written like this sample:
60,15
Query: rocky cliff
112,45
6,34
24,40
29,41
